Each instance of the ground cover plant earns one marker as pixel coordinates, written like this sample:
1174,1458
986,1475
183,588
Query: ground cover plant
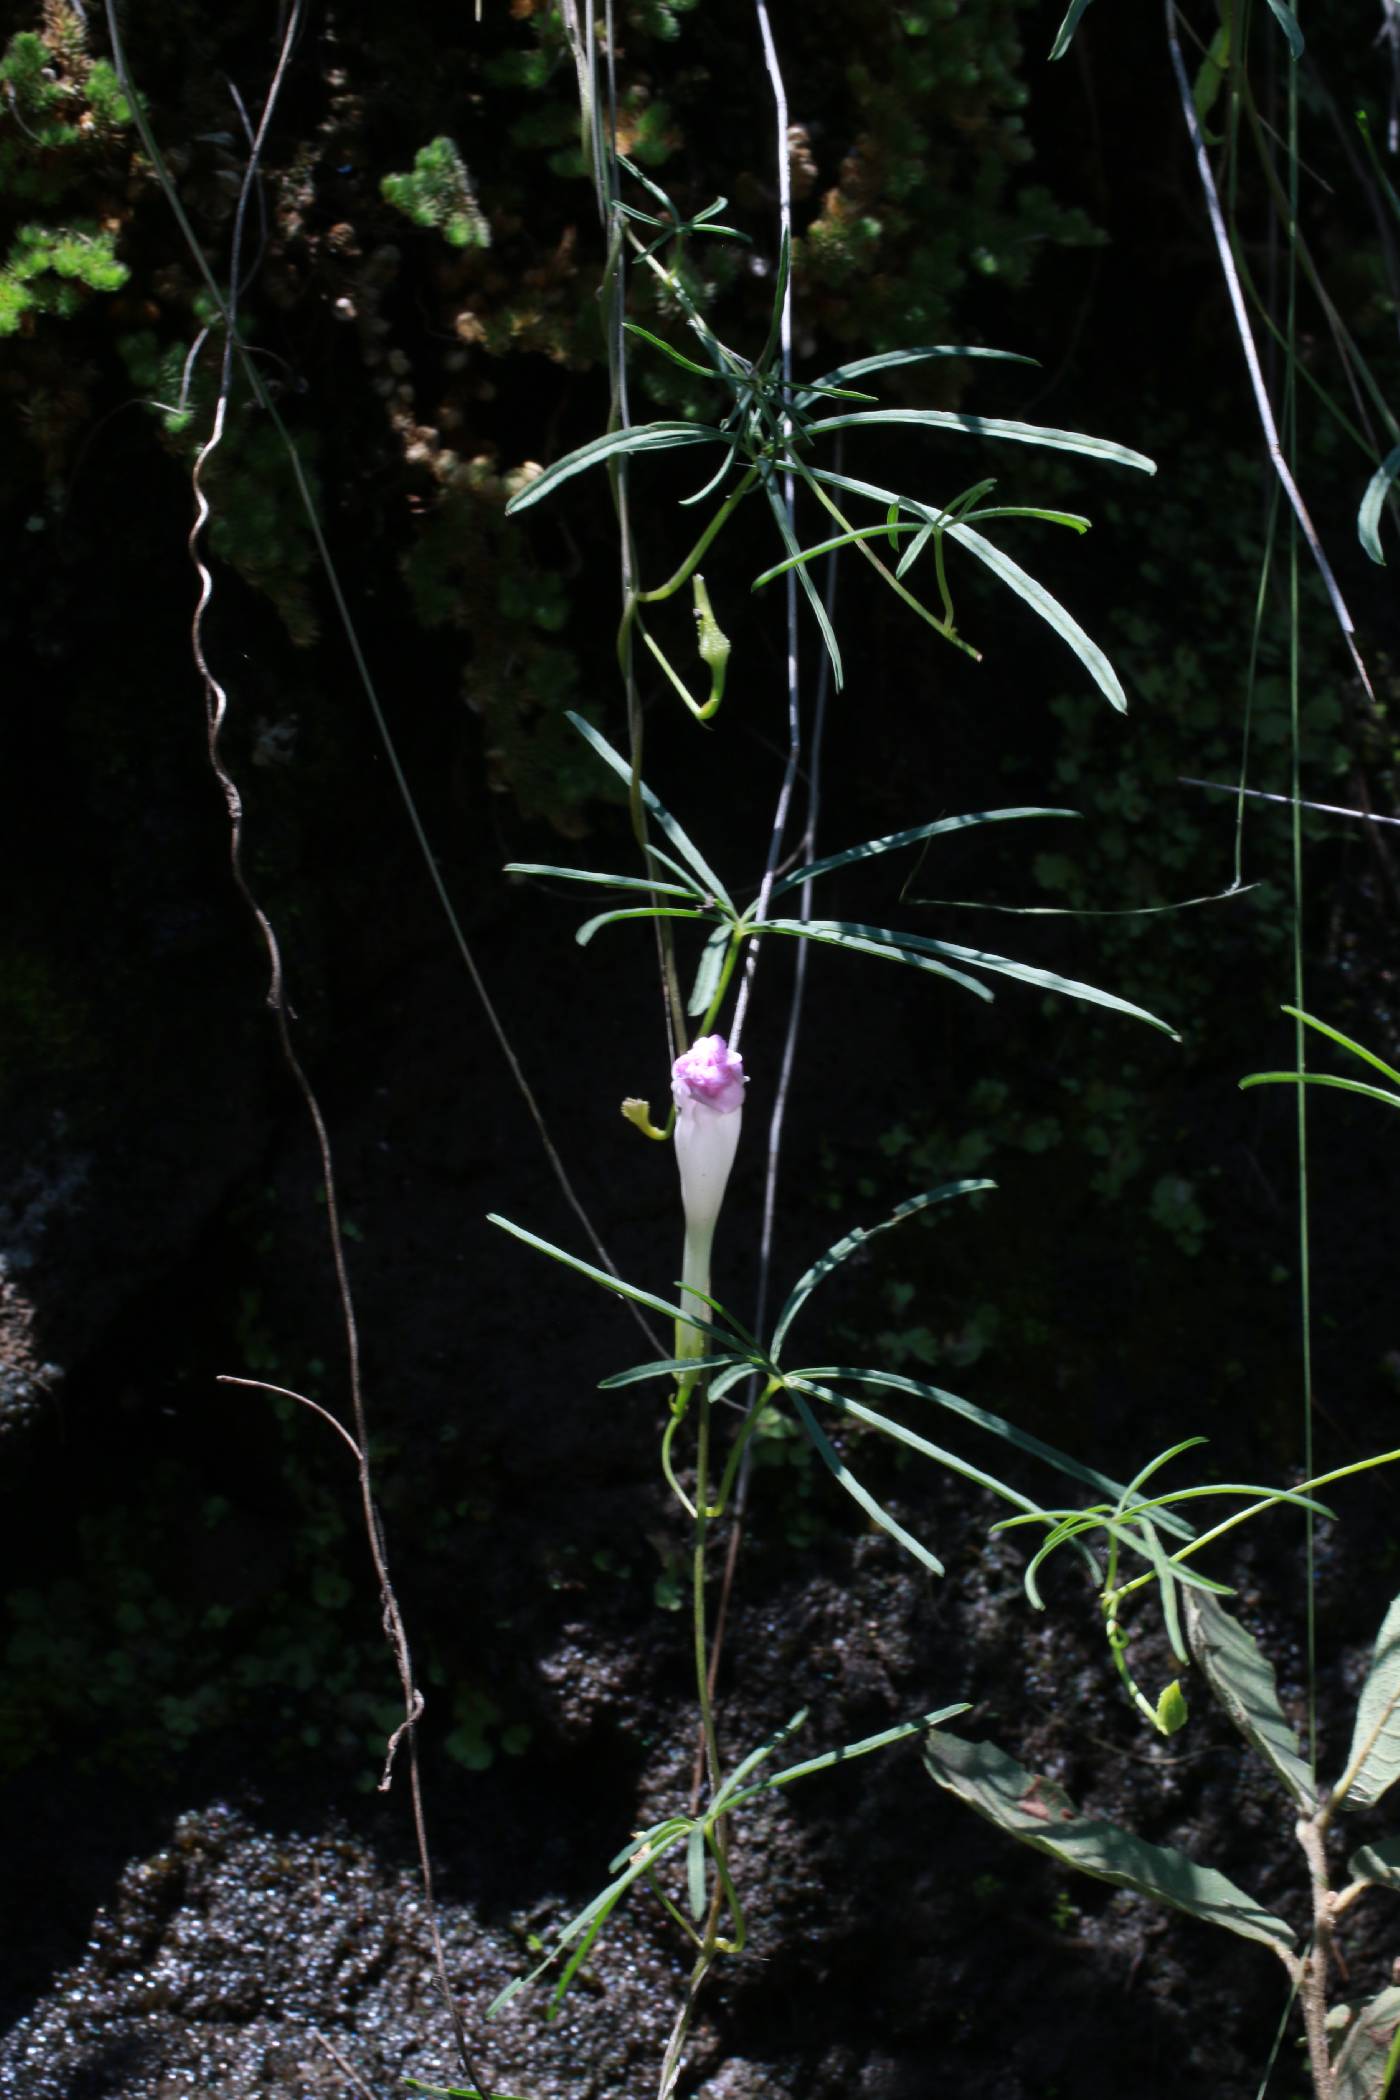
726,925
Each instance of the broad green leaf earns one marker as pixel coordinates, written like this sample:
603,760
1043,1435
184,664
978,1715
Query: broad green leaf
680,839
894,840
614,1284
1364,2065
856,1411
1064,36
1373,1764
1288,22
886,360
990,427
842,1248
1368,518
1242,1679
1040,1813
607,882
878,941
995,1425
1378,1863
1048,980
844,1756
840,1471
614,444
666,1367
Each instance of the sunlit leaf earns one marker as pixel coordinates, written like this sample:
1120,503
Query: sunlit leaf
1041,1814
894,840
878,941
1064,35
614,444
1373,1763
1242,1679
1364,2064
609,882
1368,518
990,427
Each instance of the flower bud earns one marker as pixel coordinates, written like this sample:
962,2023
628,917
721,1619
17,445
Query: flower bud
708,1084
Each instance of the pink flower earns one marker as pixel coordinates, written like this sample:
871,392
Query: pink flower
708,1084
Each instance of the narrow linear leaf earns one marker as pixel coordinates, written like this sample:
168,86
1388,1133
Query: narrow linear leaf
1041,1814
1288,22
666,1367
863,1748
886,360
996,1425
1242,1679
1050,610
1346,1042
832,1460
1064,36
855,1411
614,444
1362,2068
878,941
687,364
1343,1086
759,1756
642,911
843,1248
813,596
1373,1764
614,1284
990,427
680,839
1003,567
606,882
894,840
1047,980
708,971
696,1893
1378,1863
1368,518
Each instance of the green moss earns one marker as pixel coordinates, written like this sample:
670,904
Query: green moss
438,193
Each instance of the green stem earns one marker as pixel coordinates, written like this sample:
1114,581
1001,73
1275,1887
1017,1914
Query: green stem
1257,1509
863,547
